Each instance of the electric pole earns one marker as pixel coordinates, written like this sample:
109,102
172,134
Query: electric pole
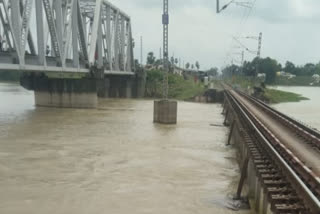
242,62
242,58
259,52
165,22
259,45
141,51
165,110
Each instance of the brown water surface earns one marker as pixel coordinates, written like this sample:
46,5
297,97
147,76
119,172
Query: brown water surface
112,159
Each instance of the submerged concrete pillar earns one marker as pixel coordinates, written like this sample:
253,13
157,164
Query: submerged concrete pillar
165,112
128,90
114,87
63,93
121,86
140,83
103,87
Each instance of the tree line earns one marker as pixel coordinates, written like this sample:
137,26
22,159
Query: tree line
270,67
152,60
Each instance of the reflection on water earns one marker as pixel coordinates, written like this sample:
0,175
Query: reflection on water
307,111
112,159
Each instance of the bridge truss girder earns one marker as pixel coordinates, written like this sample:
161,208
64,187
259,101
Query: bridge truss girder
69,35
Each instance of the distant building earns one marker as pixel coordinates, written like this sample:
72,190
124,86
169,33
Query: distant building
177,70
316,78
285,74
261,75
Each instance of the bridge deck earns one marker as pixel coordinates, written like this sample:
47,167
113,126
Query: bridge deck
50,67
297,145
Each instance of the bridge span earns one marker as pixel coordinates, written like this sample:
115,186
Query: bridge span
68,51
280,157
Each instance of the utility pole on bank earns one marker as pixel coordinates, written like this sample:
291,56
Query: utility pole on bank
165,22
259,45
141,50
165,111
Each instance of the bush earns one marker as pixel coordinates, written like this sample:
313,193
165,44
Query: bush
179,88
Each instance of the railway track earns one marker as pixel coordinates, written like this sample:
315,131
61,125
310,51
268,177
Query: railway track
290,185
309,136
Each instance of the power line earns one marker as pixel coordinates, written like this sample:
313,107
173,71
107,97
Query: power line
141,50
243,22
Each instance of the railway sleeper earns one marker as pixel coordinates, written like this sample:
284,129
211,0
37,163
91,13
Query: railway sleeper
278,190
270,176
271,171
264,166
261,161
293,208
284,198
275,183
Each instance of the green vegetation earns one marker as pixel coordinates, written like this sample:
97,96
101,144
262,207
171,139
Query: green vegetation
256,88
277,96
308,69
9,76
289,74
242,82
181,88
267,66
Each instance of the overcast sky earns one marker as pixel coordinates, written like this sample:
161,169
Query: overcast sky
290,29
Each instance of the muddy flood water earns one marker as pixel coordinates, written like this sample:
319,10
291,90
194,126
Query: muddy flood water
112,159
306,111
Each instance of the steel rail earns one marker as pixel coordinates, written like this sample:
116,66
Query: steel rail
312,199
309,134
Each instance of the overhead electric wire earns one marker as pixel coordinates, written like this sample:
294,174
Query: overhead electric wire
240,30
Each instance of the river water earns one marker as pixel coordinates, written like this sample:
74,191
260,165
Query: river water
306,111
112,159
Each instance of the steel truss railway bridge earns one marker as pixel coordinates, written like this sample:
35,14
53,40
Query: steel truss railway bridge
62,47
280,156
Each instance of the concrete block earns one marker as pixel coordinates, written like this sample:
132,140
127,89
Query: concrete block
103,88
66,100
165,112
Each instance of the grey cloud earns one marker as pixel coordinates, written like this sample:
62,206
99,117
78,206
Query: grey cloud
197,33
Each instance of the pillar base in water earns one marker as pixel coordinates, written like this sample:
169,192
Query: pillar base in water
66,100
165,112
61,93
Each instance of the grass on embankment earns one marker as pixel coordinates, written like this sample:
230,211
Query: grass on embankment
277,96
269,95
180,88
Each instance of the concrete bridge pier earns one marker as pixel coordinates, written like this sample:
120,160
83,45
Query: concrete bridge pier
103,86
121,86
139,85
128,90
63,93
118,87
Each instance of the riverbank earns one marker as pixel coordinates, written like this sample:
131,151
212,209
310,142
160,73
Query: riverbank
279,96
180,87
267,94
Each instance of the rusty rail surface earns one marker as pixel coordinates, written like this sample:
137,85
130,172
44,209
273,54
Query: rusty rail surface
290,185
